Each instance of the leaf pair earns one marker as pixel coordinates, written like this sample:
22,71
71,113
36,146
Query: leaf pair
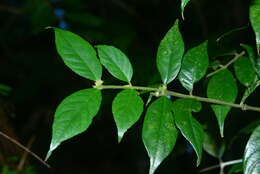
160,133
170,60
75,113
81,57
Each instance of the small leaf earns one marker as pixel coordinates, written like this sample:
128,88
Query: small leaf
251,159
127,108
116,62
222,86
244,71
237,168
211,146
183,5
74,115
78,54
169,54
189,127
251,55
254,15
159,132
194,66
250,89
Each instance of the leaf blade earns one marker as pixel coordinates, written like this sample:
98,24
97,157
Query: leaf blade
159,133
189,127
78,54
252,153
222,86
116,62
169,54
74,115
194,66
254,15
127,108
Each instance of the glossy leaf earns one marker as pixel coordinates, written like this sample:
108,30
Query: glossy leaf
159,132
244,71
183,5
254,16
116,62
189,127
250,89
169,54
127,108
251,159
222,86
194,66
74,115
78,54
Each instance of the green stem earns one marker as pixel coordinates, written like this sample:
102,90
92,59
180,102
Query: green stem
237,56
180,95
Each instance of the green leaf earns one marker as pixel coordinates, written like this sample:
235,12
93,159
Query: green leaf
254,15
127,108
250,89
169,54
194,66
116,62
183,5
255,61
159,132
189,127
237,168
74,115
244,71
222,86
251,159
211,146
78,54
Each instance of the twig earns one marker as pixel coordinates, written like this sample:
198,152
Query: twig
221,165
25,154
24,148
237,56
231,31
180,95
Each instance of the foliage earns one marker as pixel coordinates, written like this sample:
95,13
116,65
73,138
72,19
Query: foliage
164,118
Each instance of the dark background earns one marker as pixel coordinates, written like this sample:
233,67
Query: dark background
39,80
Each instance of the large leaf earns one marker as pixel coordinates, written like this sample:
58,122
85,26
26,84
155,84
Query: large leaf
127,108
169,54
189,127
244,71
78,54
74,115
254,16
194,66
116,62
222,86
251,161
159,132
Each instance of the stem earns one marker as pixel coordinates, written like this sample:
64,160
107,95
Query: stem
221,164
237,56
180,95
24,148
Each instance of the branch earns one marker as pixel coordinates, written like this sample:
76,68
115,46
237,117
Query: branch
24,148
221,165
165,92
237,56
